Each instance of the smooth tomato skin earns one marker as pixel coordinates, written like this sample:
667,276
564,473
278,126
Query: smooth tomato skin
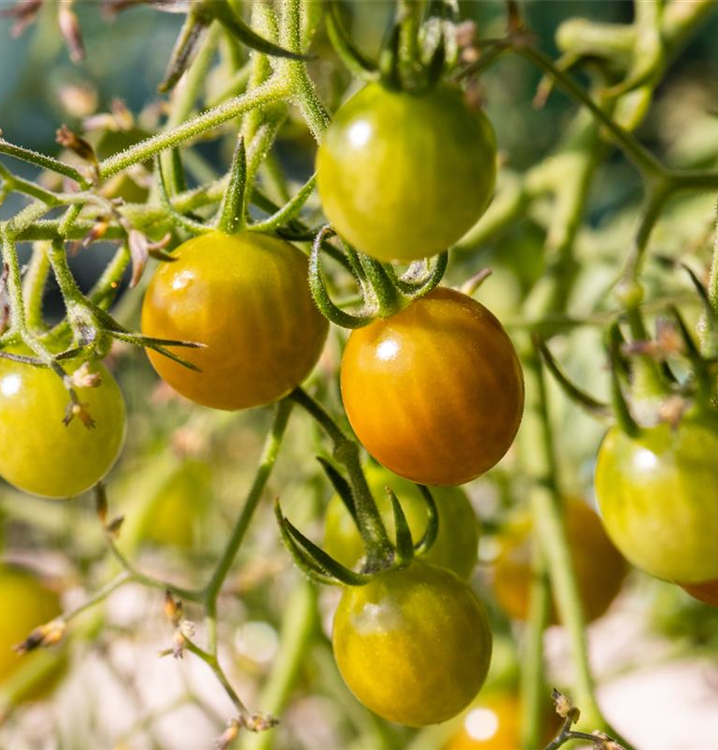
404,176
26,603
456,544
658,497
246,298
413,645
600,569
435,393
706,592
38,453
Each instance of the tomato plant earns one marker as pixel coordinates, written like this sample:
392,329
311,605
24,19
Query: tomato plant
658,497
27,603
413,645
598,565
455,547
245,299
434,393
403,175
73,458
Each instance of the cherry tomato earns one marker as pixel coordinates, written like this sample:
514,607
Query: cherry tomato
175,515
494,724
598,565
413,645
434,393
403,176
456,544
658,496
26,603
41,455
246,298
706,592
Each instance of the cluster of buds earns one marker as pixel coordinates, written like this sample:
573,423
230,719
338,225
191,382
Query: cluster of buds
251,722
24,13
183,629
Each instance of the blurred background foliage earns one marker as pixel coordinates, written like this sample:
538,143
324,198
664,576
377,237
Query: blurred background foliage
185,470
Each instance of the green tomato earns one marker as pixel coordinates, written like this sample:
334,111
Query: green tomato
658,496
25,603
413,645
403,176
456,544
174,516
38,452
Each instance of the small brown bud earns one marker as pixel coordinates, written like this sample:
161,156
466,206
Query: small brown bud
78,410
70,30
67,138
562,703
260,722
229,735
672,409
42,637
173,608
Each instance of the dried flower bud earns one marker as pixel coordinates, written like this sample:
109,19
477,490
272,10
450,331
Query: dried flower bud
24,12
46,635
173,608
65,137
78,410
115,526
70,30
178,643
229,735
78,100
85,377
672,409
562,703
123,117
260,722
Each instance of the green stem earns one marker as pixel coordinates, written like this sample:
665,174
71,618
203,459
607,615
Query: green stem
299,624
379,551
272,91
268,458
42,161
533,684
34,286
213,663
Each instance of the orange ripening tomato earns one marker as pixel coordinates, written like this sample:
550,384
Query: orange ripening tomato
435,393
600,568
246,298
705,592
495,724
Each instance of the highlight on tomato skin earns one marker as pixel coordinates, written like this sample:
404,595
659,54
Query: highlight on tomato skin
663,480
403,175
413,645
456,544
494,723
435,393
73,457
246,298
599,567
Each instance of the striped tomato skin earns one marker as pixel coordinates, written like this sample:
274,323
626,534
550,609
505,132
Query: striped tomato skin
434,393
246,298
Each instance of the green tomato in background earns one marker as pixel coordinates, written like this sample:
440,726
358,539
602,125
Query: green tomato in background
26,603
175,515
456,544
658,496
403,176
38,452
